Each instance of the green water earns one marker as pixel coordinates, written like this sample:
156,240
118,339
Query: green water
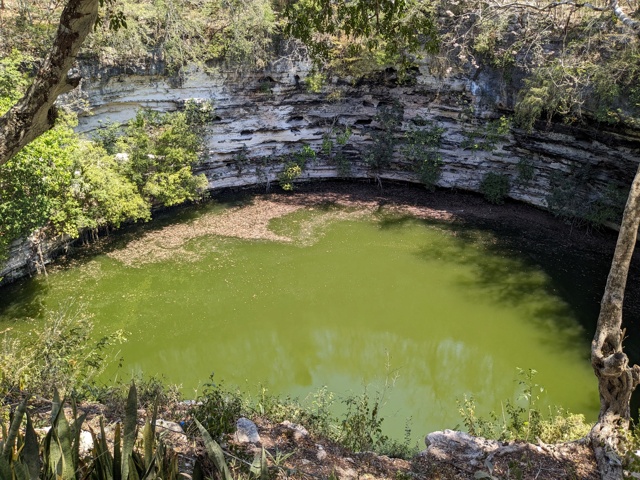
368,301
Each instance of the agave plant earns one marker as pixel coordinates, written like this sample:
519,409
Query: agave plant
20,453
125,463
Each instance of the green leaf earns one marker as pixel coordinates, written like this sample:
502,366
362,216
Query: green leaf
5,468
147,438
30,451
76,430
103,464
259,467
56,404
149,435
20,471
216,454
60,447
117,454
482,474
129,437
133,471
197,472
7,450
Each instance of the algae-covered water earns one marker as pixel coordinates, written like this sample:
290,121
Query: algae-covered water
329,297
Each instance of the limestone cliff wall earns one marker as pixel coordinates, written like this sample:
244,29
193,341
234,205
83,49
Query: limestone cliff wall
271,113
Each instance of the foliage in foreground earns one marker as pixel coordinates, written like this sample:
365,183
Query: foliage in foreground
62,184
523,419
61,355
59,455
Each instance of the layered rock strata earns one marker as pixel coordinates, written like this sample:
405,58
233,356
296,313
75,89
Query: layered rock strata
261,117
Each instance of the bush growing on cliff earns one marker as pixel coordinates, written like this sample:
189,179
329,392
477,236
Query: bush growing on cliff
487,136
294,165
422,150
160,150
334,142
572,196
380,154
495,187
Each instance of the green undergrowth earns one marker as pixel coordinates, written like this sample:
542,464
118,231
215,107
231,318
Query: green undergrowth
525,418
65,356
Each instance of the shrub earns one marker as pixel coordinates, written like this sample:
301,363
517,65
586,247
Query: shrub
487,137
524,420
379,155
525,171
315,82
218,409
421,149
495,187
62,354
294,165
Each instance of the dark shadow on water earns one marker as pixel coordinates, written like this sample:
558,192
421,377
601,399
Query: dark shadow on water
504,267
21,300
504,261
509,250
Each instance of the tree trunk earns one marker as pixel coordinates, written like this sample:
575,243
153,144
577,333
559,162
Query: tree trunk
616,380
35,113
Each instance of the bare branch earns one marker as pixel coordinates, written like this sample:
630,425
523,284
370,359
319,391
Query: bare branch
624,18
554,5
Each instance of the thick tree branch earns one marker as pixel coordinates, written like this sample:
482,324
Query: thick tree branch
35,113
553,5
624,18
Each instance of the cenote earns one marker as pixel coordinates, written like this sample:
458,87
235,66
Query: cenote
348,297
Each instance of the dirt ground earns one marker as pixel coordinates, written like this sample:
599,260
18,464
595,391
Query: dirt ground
293,453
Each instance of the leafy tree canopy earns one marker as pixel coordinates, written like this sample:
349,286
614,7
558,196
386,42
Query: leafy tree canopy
348,27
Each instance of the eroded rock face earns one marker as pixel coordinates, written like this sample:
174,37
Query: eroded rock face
261,116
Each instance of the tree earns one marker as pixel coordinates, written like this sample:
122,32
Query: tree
616,379
311,21
36,113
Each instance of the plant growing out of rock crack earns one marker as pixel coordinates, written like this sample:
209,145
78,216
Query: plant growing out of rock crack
495,187
293,167
422,149
380,154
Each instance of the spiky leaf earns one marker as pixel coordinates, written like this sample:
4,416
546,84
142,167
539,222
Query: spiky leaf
215,452
20,471
129,437
148,438
63,431
7,449
56,405
133,471
76,430
198,474
31,451
5,468
117,454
